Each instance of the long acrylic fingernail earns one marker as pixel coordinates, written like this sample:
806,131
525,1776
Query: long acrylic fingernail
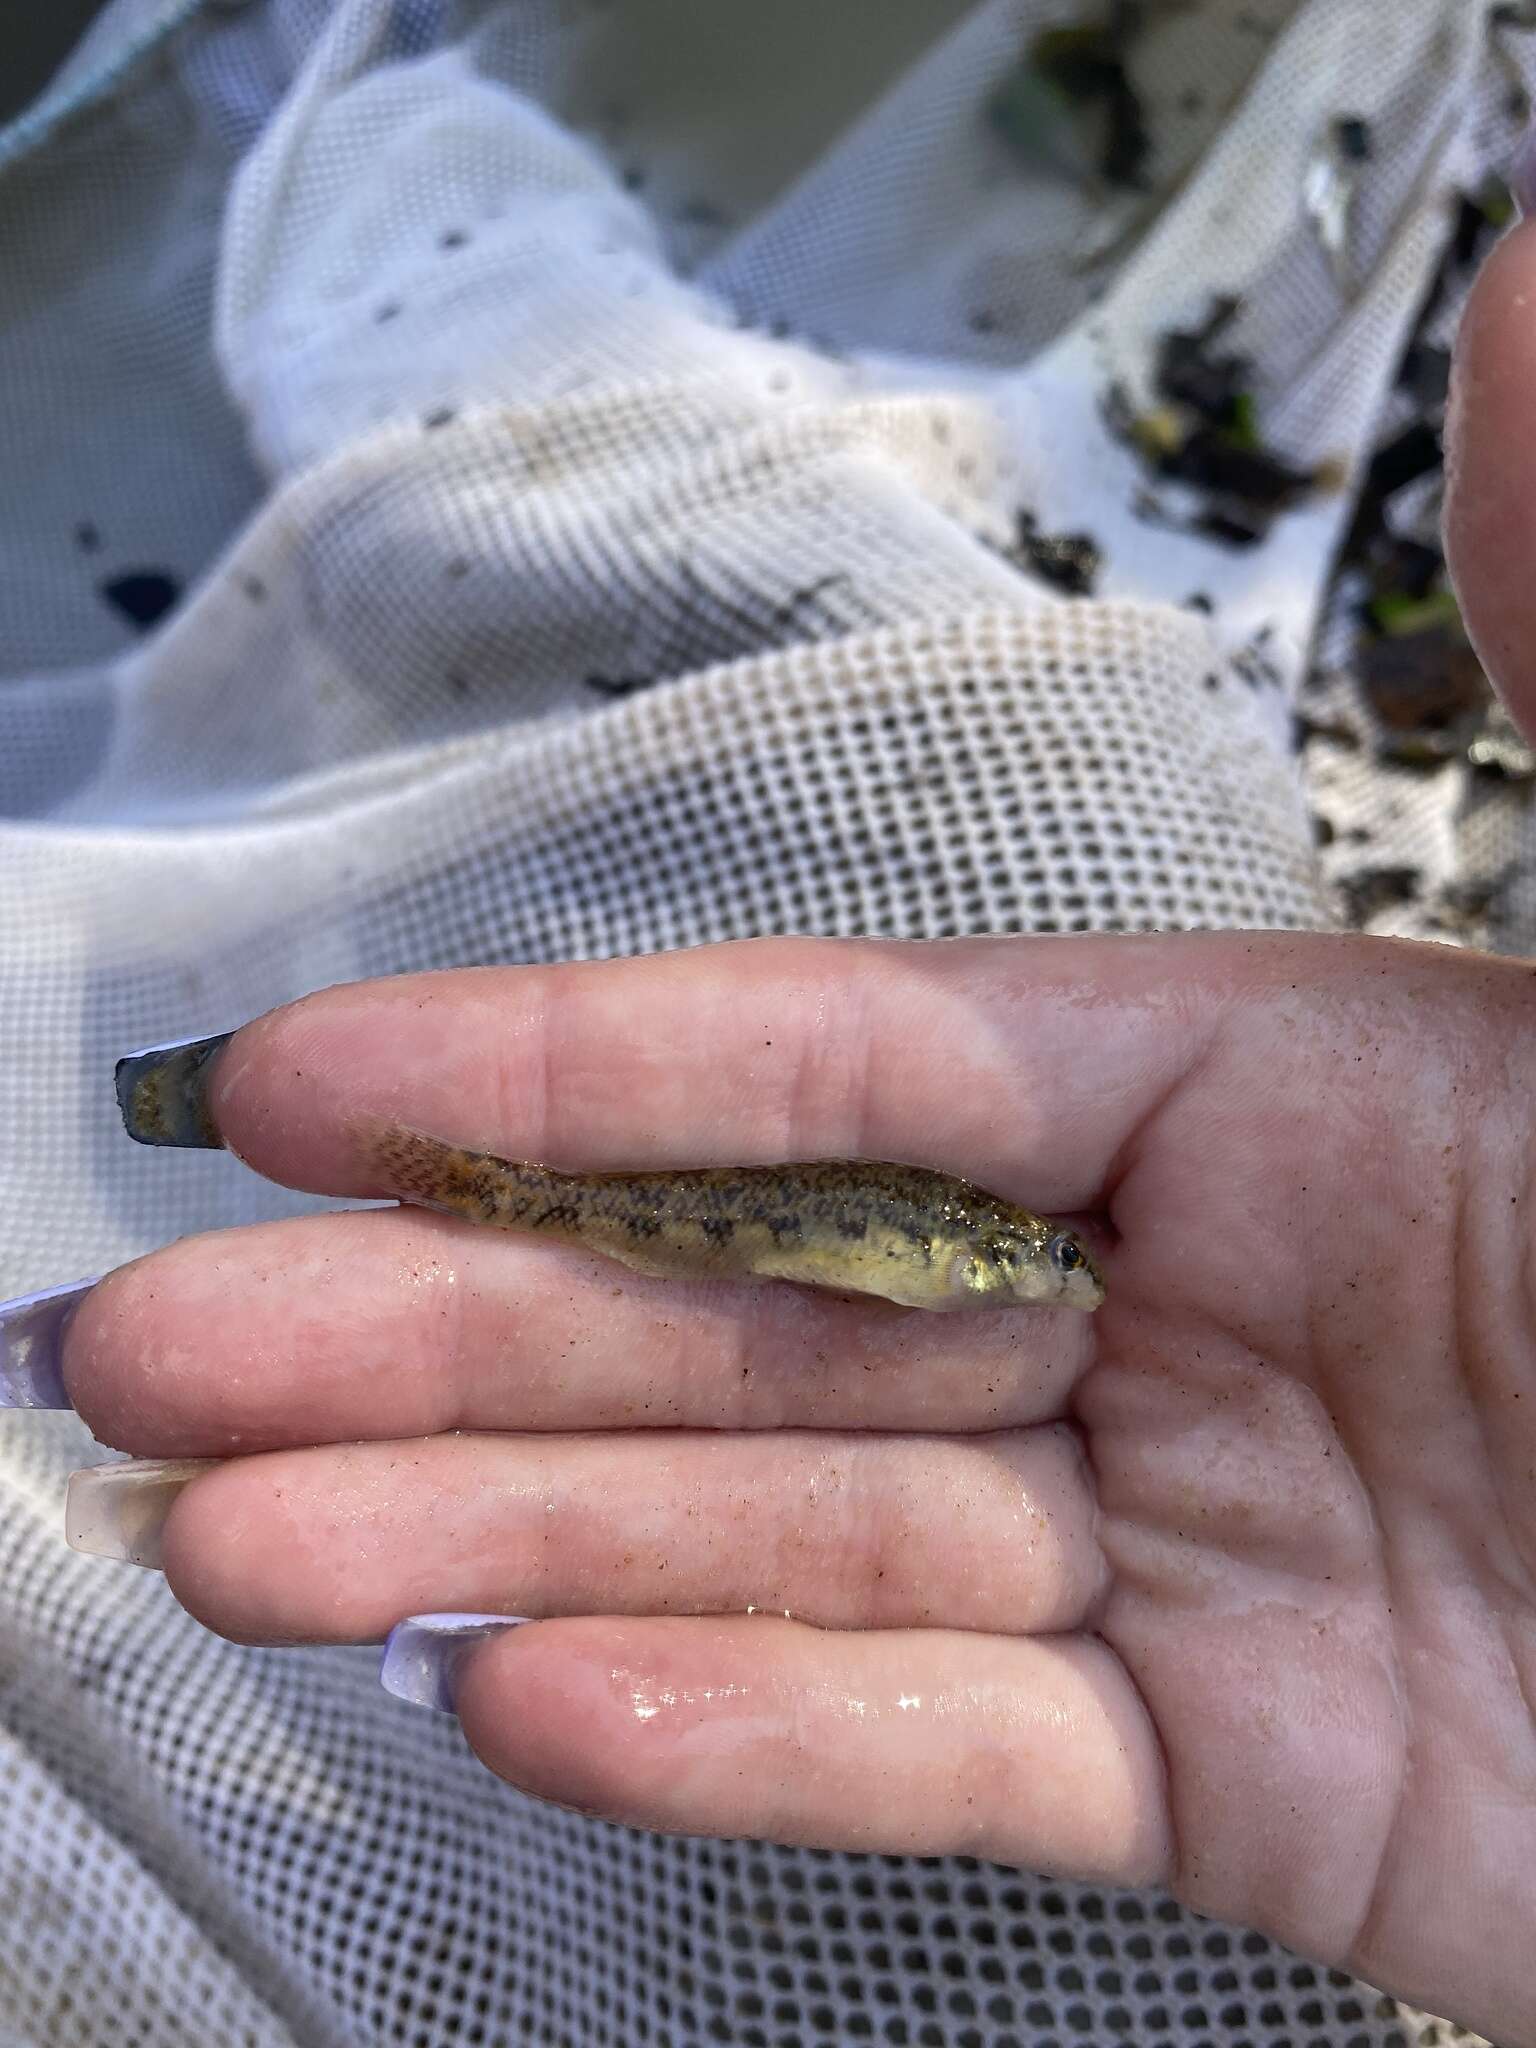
1522,173
421,1654
32,1346
120,1510
163,1092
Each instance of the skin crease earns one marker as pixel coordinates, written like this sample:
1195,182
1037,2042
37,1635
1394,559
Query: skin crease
1272,1637
1302,1531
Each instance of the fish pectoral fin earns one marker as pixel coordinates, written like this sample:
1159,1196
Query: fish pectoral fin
628,1250
807,1271
637,1262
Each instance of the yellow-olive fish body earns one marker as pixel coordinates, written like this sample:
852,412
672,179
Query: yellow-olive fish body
903,1233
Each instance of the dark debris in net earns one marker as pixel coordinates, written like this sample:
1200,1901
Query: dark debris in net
1073,100
141,596
618,686
1421,681
1069,562
1203,433
1089,65
1369,891
1422,703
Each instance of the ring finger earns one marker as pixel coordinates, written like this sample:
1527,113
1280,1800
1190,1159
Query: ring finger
851,1531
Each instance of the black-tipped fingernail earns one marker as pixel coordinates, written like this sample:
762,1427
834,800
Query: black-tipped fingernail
32,1344
163,1093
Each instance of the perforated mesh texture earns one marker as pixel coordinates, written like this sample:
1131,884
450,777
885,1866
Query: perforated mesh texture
1435,848
534,481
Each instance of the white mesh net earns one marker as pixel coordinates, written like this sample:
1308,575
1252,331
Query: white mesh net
520,482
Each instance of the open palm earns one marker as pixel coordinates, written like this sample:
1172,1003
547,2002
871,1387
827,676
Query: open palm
1229,1586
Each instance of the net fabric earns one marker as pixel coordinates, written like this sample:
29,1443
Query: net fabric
575,449
1441,847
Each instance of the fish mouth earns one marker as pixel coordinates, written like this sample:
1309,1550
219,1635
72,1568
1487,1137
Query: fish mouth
1083,1289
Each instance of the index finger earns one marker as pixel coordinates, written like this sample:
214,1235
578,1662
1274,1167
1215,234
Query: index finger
1020,1063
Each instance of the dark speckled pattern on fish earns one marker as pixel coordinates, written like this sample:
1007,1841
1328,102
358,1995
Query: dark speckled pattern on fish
900,1232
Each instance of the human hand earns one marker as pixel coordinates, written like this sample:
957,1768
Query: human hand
1228,1586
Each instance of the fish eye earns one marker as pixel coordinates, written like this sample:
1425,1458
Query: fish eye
1068,1254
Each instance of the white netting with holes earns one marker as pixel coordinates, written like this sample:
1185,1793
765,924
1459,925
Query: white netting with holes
514,482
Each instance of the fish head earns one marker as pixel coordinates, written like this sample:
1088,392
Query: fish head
1050,1268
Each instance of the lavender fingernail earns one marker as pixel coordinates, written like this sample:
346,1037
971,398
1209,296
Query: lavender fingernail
32,1343
1522,173
163,1092
422,1651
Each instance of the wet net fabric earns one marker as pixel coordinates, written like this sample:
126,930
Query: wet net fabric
526,482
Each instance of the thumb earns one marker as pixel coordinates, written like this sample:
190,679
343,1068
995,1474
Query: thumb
1490,537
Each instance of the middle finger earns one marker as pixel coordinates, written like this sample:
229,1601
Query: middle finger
394,1323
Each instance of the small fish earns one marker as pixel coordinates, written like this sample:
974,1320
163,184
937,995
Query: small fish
902,1233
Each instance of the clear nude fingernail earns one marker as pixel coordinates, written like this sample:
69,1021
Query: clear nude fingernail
120,1510
421,1653
32,1346
162,1092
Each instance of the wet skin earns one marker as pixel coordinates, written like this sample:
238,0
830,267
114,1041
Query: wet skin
1231,1585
